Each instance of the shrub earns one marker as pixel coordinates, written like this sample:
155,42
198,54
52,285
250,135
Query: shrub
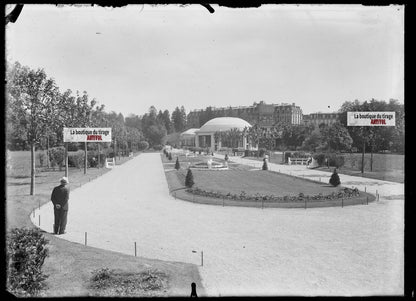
142,145
262,151
189,180
76,159
57,156
158,147
334,180
320,159
26,253
177,166
336,160
170,157
42,159
265,167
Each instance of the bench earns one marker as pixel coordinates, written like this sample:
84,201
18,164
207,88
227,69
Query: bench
110,163
303,161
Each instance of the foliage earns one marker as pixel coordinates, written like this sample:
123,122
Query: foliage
157,147
189,179
243,196
320,159
179,119
336,160
76,159
334,180
109,283
42,159
265,167
142,145
57,156
177,165
170,156
262,151
26,253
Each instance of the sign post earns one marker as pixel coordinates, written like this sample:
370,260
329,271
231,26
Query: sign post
84,135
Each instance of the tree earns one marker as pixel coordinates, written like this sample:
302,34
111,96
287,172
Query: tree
189,179
334,180
179,119
336,137
33,96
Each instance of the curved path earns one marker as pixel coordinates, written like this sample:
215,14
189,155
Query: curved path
355,250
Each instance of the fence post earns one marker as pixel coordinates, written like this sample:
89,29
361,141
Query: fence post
202,258
39,220
342,202
135,249
85,238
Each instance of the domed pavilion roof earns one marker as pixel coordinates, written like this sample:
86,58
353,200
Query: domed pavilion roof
223,124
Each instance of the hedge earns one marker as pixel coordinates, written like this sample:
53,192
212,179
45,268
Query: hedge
26,253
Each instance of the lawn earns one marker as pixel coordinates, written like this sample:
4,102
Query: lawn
70,265
386,167
242,178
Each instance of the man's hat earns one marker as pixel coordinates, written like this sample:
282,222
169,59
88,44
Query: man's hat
64,180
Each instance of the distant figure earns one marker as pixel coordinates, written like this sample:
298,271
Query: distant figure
193,292
59,198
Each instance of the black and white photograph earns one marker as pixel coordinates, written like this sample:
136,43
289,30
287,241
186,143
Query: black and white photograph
201,150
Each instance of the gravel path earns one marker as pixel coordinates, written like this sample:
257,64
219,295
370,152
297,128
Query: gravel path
355,250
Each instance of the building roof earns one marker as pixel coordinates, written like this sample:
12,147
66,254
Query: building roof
223,124
189,132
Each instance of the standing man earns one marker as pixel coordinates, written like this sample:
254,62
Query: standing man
59,198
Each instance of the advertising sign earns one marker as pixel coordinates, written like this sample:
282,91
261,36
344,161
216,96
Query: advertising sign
371,118
87,134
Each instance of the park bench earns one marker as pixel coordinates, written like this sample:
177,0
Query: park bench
303,161
110,163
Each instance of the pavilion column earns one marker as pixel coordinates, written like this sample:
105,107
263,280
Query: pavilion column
196,140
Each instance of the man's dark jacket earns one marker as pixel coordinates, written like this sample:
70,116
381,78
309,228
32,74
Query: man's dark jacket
60,195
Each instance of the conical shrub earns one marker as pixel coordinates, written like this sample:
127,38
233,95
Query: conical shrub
170,157
265,166
189,180
334,180
177,165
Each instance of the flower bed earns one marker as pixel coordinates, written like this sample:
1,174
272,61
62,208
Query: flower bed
243,196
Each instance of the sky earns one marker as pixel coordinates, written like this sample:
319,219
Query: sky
133,57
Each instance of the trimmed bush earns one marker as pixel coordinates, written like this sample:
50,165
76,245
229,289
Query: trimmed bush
336,160
170,157
76,159
334,180
26,253
189,180
320,159
57,156
142,145
177,165
265,167
158,147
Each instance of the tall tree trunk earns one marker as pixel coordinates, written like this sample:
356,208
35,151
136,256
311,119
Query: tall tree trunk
66,159
98,159
371,159
362,158
33,168
47,153
85,157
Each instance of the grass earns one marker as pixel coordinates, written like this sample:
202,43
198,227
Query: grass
70,265
386,167
241,178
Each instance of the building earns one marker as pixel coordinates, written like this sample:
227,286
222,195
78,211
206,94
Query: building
205,137
321,118
187,138
265,115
